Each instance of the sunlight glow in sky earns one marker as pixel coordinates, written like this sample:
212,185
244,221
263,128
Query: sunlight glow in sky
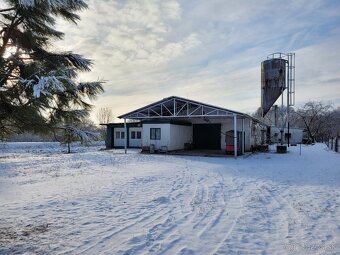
208,51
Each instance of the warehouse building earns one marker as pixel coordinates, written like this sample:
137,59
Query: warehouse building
176,123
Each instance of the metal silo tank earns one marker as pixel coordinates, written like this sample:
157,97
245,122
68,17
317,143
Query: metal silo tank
273,81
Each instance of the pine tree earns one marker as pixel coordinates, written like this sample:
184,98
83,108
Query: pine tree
38,87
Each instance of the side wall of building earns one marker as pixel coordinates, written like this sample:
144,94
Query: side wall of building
165,135
180,135
135,142
173,136
295,138
108,140
118,142
114,141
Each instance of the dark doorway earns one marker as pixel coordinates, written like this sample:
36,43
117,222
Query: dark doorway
207,136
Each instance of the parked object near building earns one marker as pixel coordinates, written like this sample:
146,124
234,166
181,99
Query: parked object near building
230,146
176,123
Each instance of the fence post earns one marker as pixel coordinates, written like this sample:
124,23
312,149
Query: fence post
331,143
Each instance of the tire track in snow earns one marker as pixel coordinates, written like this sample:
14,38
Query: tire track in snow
107,235
125,218
238,211
135,243
265,219
295,223
165,231
195,230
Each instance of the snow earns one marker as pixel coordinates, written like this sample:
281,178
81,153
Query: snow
86,137
47,84
79,4
107,202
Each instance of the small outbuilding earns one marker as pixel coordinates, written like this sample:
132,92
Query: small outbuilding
176,123
115,135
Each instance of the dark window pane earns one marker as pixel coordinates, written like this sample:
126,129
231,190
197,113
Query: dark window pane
158,134
155,134
139,135
133,135
122,135
152,134
117,135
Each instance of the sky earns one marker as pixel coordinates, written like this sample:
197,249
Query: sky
209,51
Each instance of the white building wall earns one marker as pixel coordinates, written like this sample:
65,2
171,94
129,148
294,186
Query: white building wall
296,135
175,136
165,135
247,136
179,136
135,142
118,142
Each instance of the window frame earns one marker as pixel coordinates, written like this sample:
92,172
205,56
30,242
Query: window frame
154,135
117,134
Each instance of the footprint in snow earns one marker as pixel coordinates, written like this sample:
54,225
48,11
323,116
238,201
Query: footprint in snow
161,200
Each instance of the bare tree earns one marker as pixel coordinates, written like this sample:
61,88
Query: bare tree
277,116
334,123
104,115
316,117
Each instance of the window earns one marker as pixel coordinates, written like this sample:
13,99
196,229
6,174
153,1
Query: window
155,134
288,135
136,135
120,135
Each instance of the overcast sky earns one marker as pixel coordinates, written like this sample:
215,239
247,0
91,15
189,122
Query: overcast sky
209,51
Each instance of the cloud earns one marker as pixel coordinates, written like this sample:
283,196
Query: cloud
205,50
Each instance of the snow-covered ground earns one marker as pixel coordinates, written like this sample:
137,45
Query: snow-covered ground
106,202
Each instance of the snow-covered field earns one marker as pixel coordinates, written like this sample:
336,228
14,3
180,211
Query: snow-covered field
106,202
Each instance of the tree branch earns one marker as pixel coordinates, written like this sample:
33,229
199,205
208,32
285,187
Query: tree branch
7,10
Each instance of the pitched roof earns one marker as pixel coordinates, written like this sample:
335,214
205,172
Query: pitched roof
178,107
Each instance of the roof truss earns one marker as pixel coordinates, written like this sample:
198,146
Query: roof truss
175,107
